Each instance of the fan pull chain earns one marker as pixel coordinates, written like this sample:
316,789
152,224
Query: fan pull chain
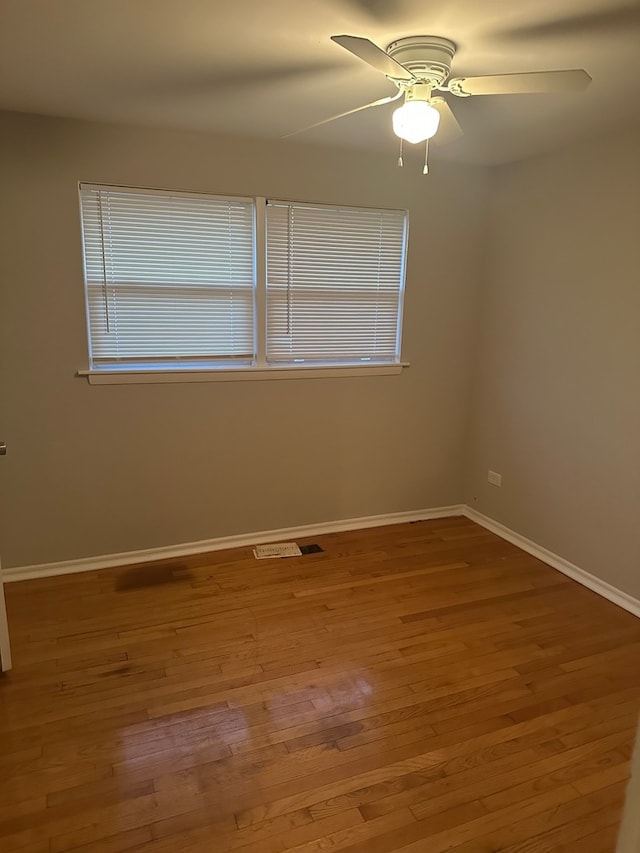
425,168
400,158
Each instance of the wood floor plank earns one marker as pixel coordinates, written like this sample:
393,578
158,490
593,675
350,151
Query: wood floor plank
563,820
419,687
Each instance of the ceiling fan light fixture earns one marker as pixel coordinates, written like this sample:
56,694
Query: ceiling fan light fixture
416,121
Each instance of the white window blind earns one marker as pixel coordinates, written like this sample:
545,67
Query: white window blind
335,281
169,277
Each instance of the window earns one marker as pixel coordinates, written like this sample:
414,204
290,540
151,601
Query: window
184,282
168,277
334,284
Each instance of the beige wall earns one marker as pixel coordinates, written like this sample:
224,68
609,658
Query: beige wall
556,403
99,469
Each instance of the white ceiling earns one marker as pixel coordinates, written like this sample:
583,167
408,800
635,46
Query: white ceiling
266,67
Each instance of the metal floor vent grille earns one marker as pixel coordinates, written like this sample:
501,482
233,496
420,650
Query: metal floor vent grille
276,549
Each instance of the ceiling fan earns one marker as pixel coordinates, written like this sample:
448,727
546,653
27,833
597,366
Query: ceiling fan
420,67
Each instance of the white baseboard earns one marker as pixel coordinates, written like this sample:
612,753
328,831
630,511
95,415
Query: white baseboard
67,567
622,599
108,561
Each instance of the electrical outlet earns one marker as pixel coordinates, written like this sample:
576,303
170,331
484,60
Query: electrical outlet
494,479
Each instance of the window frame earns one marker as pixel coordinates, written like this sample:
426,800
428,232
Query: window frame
259,368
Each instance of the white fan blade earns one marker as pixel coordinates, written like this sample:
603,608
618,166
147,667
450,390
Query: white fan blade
448,129
516,84
374,56
378,103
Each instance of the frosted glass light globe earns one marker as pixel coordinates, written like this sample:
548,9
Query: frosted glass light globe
416,121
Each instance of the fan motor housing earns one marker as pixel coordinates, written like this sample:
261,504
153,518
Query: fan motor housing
427,57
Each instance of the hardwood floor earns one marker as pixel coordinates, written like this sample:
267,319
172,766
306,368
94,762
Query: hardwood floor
418,688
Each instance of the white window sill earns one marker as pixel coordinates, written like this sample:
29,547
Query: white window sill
123,376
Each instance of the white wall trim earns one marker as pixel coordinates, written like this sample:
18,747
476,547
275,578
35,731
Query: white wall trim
617,596
5,646
629,838
125,558
128,376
